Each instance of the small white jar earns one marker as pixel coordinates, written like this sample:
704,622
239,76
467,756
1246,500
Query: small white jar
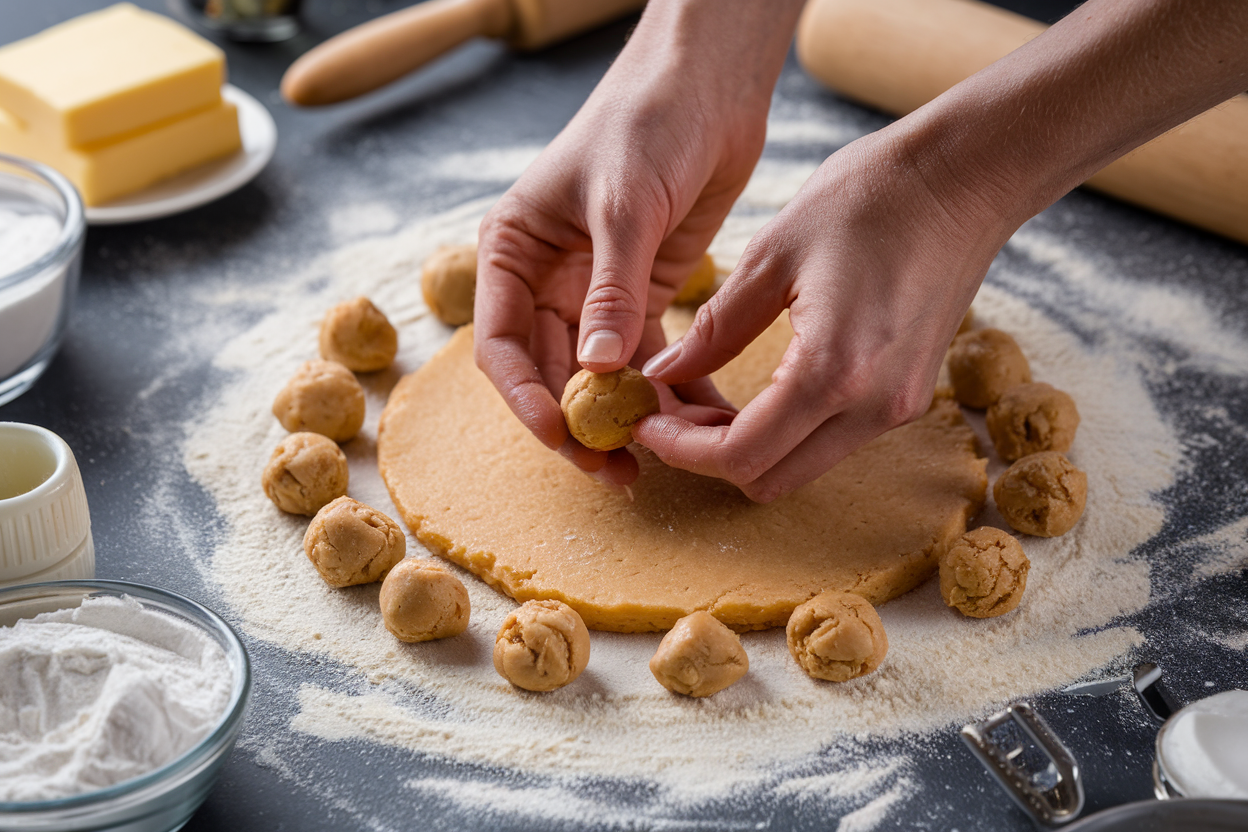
42,227
1202,750
45,526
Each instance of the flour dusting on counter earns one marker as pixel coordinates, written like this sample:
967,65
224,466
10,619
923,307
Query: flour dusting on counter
777,735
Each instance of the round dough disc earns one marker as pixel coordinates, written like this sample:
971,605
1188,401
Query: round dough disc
477,488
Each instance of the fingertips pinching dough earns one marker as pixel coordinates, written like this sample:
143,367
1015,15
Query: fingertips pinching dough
984,573
1030,418
448,281
699,656
358,336
350,543
1042,494
305,472
541,646
601,408
421,601
322,397
983,364
837,636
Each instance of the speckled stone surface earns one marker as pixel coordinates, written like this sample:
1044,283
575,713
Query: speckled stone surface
137,363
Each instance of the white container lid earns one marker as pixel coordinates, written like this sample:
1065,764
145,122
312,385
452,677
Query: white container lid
44,518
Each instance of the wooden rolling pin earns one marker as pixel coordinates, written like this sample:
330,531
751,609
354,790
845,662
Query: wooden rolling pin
896,55
383,50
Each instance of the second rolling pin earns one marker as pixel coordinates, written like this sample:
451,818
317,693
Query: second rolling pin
896,55
383,50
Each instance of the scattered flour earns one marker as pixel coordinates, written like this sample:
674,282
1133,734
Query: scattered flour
362,219
1227,547
771,733
102,693
1238,641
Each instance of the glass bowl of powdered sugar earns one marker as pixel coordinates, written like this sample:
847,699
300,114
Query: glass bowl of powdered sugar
41,232
119,704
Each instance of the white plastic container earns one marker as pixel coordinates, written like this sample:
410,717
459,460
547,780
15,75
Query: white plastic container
41,232
45,526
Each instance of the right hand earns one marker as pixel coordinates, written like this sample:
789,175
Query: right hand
581,256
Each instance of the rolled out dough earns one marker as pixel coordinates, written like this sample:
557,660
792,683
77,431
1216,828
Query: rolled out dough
475,487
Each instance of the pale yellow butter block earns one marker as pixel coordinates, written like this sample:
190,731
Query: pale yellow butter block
108,170
108,73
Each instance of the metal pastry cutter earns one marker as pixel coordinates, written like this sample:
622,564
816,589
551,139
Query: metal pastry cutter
1034,767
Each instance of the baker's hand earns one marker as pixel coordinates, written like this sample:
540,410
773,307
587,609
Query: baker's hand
579,259
881,251
877,270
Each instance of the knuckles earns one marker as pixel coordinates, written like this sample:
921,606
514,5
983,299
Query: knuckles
738,466
903,405
610,299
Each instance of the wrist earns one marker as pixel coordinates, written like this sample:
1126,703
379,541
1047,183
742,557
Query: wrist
734,48
1021,133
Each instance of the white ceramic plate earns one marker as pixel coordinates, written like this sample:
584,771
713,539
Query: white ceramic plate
207,182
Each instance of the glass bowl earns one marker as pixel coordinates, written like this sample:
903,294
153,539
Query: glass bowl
38,282
163,799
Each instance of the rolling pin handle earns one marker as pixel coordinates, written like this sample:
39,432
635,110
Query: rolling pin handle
373,54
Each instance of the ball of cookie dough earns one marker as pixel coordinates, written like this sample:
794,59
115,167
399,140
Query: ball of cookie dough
1030,418
421,601
700,285
350,543
1042,494
983,364
448,280
837,636
699,656
541,646
322,397
984,573
358,336
601,408
305,472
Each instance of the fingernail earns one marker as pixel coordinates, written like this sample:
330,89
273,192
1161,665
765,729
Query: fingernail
602,347
661,360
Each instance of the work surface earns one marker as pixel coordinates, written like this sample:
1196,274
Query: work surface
137,365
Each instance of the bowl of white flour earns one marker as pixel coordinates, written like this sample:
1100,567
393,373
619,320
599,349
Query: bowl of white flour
119,704
42,227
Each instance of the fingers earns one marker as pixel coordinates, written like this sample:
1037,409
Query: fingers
714,453
702,392
788,436
626,234
502,349
701,404
806,390
752,298
831,442
551,346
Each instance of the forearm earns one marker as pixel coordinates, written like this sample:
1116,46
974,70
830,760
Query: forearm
1114,74
733,48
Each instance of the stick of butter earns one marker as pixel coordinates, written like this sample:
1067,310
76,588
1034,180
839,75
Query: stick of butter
105,171
106,74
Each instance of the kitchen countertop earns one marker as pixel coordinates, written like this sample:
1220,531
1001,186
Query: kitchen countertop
137,360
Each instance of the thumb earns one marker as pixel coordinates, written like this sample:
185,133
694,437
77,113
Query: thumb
614,312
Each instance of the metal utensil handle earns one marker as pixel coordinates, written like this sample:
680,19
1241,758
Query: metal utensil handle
1156,697
1052,806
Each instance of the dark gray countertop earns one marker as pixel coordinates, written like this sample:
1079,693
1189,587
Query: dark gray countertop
126,373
